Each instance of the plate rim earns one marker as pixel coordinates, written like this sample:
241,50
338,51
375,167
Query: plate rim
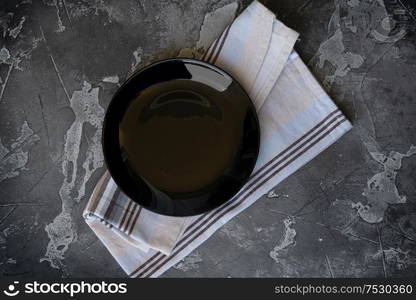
137,73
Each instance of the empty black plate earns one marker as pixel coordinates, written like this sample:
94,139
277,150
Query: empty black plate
180,137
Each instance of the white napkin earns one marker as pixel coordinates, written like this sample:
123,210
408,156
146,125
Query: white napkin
297,119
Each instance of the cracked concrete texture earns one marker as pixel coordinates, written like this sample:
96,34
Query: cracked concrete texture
350,212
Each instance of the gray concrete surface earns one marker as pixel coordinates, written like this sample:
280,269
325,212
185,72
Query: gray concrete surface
351,212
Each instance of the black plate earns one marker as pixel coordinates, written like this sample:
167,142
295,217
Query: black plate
180,137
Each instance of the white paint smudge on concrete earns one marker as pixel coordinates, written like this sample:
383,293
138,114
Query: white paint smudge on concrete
127,12
87,110
25,2
61,27
61,233
4,55
11,260
191,262
4,252
214,23
111,79
186,35
381,189
12,229
348,21
15,31
238,234
396,257
383,34
385,38
394,53
272,194
333,52
137,54
14,159
388,23
287,240
353,3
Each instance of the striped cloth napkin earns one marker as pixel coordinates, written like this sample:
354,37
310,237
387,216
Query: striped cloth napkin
298,121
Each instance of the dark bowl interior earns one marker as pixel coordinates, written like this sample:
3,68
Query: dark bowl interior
180,137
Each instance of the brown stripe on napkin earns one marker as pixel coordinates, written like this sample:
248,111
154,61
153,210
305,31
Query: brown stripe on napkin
222,45
135,220
210,48
132,213
213,51
127,211
112,203
97,197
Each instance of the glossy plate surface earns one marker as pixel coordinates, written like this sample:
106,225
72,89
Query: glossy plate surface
180,137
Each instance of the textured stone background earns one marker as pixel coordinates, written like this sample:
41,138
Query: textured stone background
350,212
